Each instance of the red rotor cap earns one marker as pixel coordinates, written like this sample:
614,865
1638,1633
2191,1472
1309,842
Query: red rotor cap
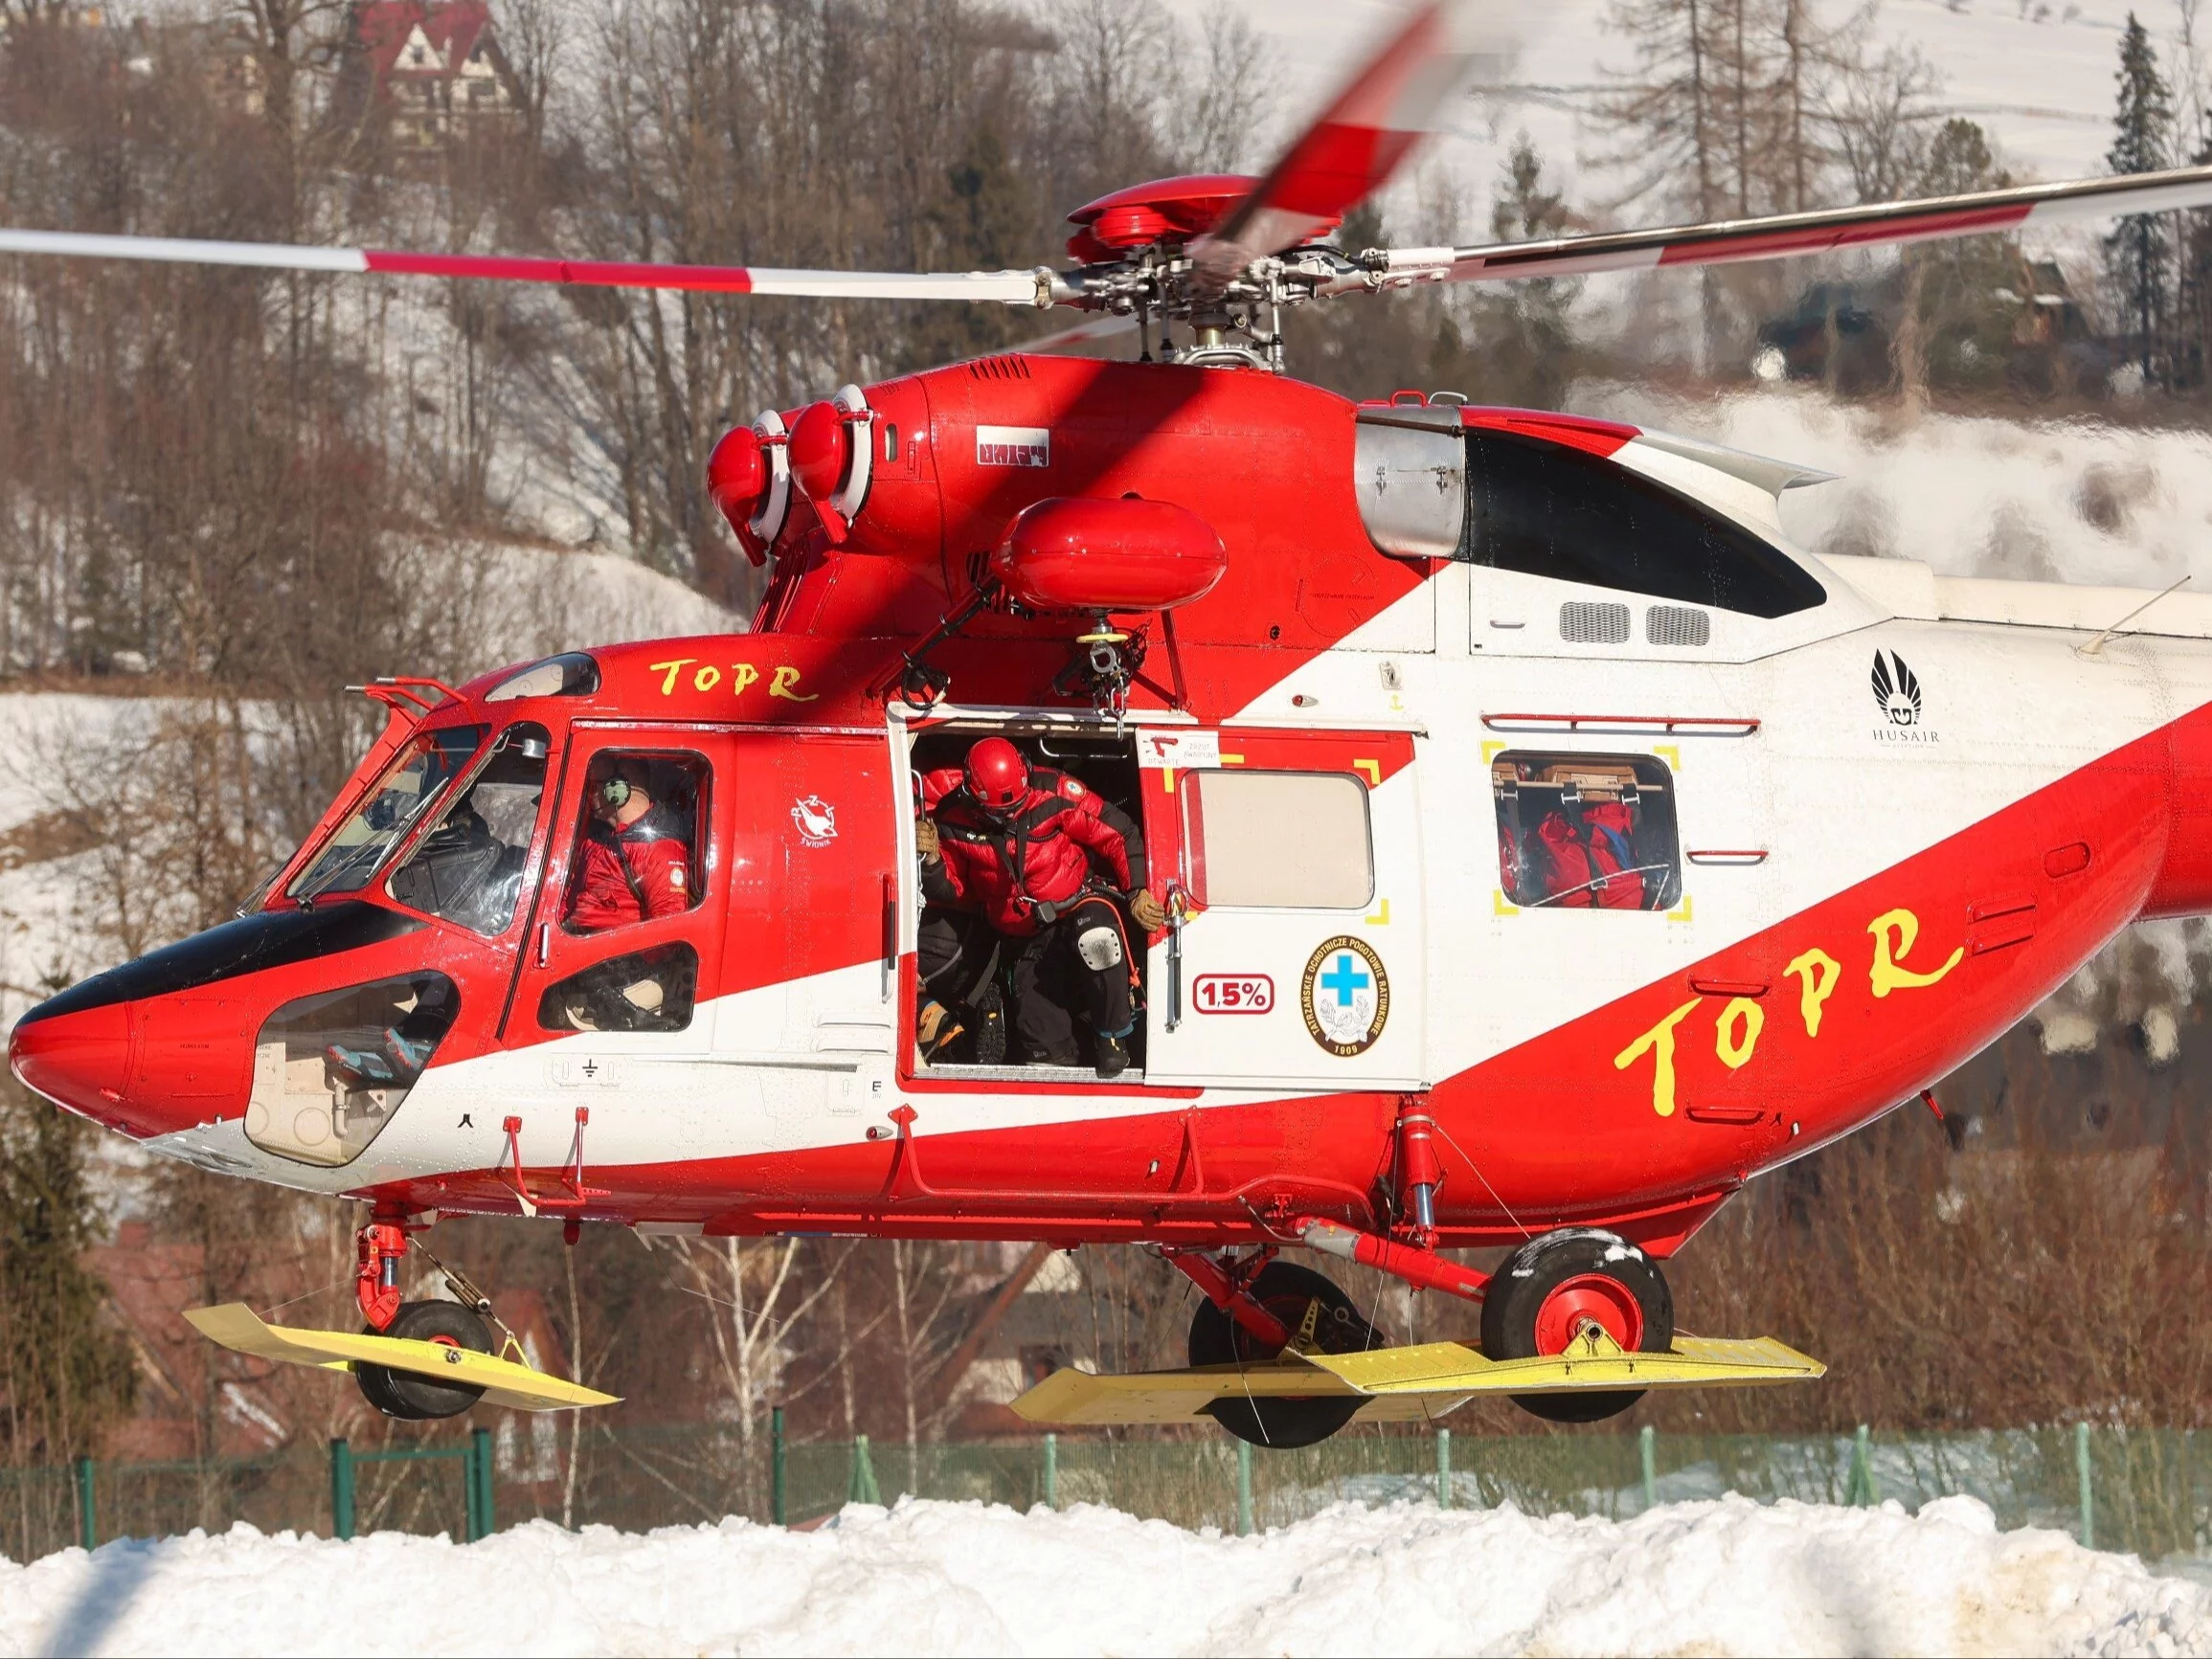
821,450
997,774
1181,208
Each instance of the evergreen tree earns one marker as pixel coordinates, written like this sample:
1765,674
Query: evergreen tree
2139,250
65,1372
1522,334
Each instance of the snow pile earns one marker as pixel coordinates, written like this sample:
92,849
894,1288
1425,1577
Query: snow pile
940,1578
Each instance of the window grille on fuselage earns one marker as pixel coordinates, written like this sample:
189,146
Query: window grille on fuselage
1546,509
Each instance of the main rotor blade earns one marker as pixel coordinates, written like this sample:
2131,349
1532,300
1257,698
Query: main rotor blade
1355,145
1009,288
1786,235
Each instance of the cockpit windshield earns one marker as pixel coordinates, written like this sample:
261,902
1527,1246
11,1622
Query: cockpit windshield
415,779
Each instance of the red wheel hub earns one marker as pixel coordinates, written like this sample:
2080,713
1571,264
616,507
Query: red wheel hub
1591,1297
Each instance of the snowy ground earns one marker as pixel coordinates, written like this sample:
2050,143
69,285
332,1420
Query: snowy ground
932,1577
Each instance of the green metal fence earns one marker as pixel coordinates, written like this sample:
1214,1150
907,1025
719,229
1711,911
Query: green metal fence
2144,1491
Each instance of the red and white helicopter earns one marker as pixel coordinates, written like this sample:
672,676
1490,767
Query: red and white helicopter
1545,858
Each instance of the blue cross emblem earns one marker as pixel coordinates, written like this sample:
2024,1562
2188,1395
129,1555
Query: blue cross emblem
1345,979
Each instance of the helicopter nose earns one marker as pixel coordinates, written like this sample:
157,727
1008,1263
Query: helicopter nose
79,1060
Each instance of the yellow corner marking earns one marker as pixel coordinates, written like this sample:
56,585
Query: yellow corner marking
1659,1040
1168,778
1232,760
1374,770
1382,916
1492,751
1820,972
1887,975
1734,1048
1682,912
1669,752
1497,904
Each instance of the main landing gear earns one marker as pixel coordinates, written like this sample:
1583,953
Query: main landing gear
1553,1292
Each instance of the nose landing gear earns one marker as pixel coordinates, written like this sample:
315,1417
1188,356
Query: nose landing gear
409,1396
378,1250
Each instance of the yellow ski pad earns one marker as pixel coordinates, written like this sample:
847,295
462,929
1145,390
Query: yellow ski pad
1407,1385
238,1328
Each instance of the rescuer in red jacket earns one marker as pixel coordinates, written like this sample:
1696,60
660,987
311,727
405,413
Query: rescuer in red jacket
634,864
1021,866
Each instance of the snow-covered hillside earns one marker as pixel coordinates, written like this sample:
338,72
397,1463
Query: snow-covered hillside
929,1578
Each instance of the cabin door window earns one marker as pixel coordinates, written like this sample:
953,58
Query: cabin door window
1301,961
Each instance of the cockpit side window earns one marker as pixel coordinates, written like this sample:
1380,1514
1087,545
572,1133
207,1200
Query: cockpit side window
641,825
468,869
411,785
1547,509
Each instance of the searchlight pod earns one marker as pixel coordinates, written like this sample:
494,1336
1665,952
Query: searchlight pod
1077,554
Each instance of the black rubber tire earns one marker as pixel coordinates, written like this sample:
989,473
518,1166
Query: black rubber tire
1287,1291
1525,1279
415,1396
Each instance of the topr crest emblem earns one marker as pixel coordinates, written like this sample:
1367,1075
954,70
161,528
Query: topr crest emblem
1896,689
1346,997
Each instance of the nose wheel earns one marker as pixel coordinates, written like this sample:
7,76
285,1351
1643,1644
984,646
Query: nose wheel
1550,1290
413,1397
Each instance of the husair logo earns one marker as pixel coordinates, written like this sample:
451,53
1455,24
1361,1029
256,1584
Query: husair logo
1896,690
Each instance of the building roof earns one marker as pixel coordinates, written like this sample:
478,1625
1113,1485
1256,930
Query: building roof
450,29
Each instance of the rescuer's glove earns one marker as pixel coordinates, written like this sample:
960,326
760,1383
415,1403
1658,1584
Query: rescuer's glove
925,837
1147,911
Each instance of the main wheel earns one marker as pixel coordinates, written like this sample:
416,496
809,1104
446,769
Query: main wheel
1290,1293
409,1395
1543,1294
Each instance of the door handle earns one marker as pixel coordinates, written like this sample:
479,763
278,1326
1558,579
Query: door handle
1174,955
544,943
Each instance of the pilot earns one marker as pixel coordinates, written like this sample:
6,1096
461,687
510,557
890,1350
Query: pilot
635,865
1038,861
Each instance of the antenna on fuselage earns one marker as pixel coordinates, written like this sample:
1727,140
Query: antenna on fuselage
2098,643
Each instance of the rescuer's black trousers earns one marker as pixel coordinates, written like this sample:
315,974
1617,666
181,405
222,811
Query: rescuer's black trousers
1050,985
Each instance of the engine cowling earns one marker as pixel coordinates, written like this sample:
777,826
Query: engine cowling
1074,554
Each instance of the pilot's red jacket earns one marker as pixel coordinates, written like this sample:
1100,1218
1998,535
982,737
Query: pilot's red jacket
1040,850
630,875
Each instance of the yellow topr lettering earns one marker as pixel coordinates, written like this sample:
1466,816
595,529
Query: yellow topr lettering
707,679
742,675
1819,969
1659,1041
1903,927
668,678
786,679
1737,1034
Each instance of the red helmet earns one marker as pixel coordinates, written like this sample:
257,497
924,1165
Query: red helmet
997,774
